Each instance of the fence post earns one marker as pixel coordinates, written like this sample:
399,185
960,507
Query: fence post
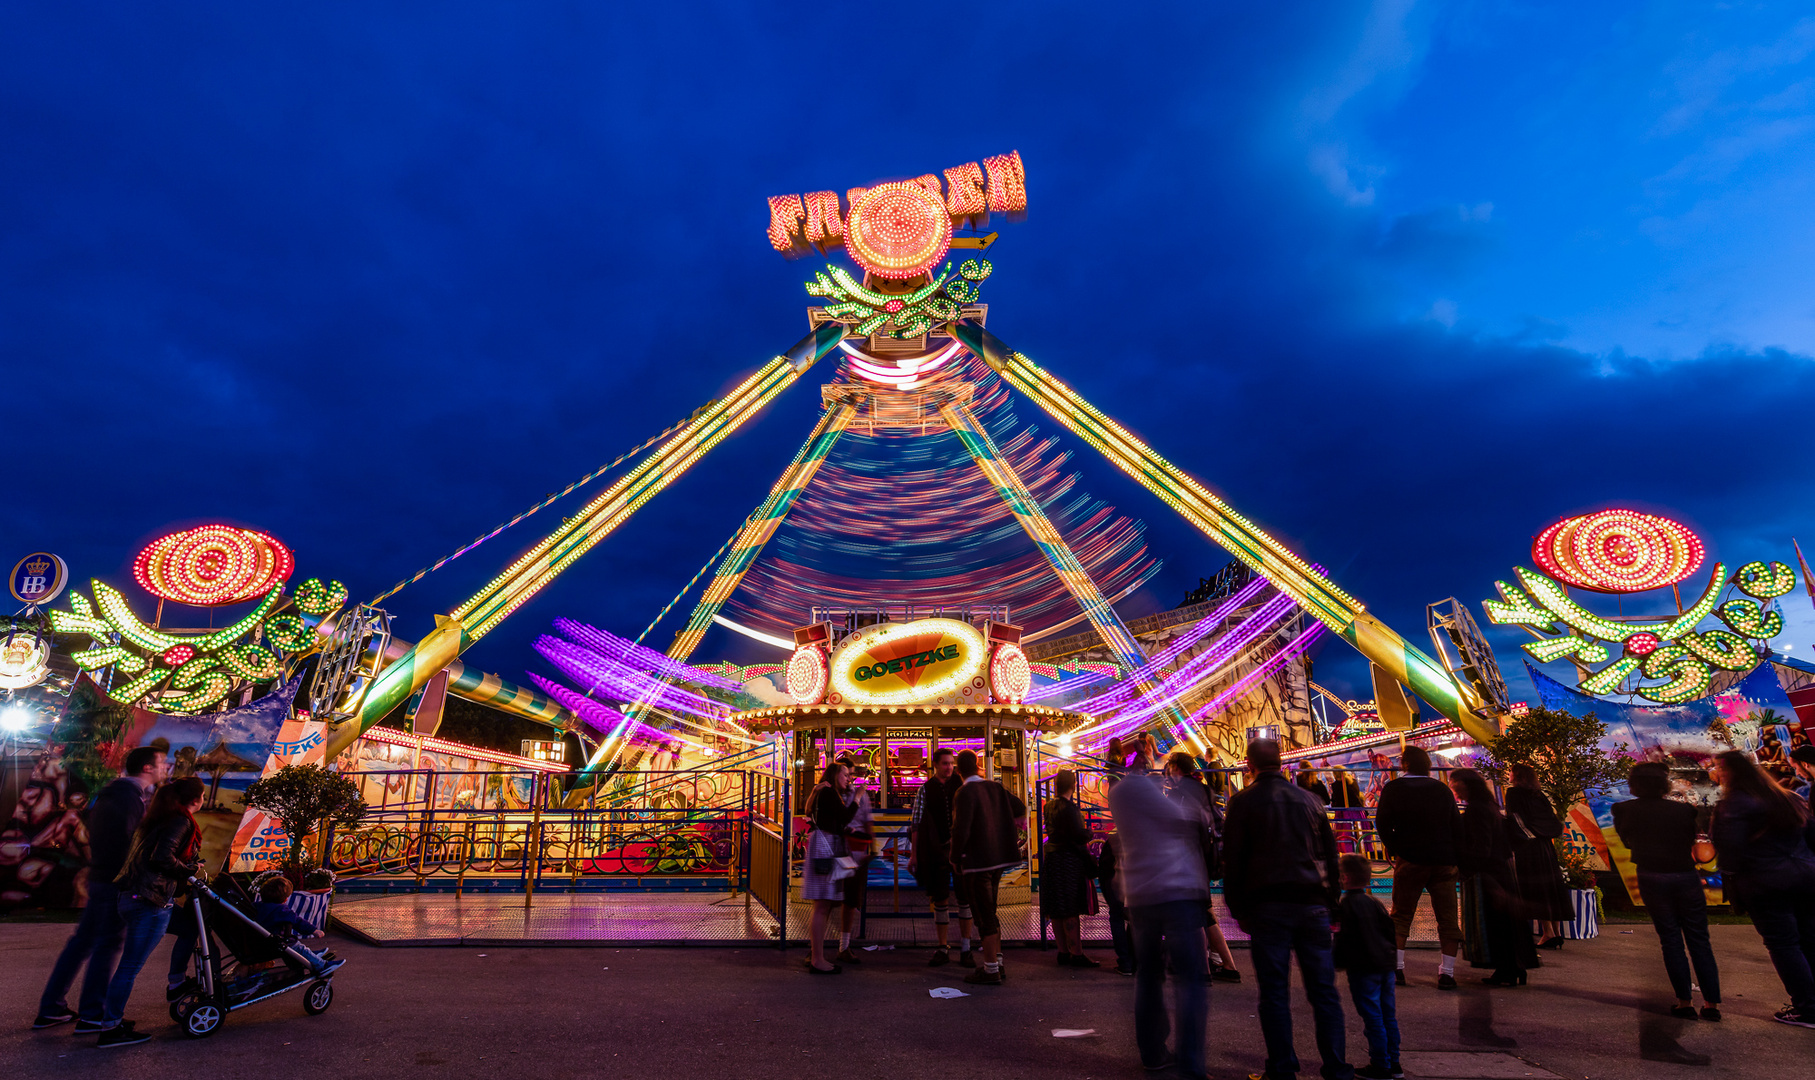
786,821
532,846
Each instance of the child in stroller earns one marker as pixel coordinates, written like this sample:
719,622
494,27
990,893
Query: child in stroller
273,912
239,961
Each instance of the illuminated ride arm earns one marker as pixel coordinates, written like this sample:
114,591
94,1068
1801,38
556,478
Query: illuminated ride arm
455,632
1241,538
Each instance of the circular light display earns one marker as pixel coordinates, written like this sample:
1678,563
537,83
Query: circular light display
1009,676
212,565
24,660
898,230
1618,551
924,662
807,675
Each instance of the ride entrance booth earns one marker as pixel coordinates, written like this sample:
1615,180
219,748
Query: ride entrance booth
887,695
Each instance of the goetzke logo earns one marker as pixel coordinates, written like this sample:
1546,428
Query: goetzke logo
866,672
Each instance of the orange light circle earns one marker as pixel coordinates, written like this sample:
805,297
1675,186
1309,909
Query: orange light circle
1010,677
212,565
807,675
898,230
1618,551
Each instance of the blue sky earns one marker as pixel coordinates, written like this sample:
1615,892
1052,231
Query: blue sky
1405,282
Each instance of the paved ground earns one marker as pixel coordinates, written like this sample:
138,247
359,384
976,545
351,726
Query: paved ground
1592,1012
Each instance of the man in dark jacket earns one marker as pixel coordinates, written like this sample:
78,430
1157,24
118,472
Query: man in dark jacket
112,819
1281,883
1417,821
931,859
986,819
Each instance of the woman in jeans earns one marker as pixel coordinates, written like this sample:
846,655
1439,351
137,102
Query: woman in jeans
1660,832
164,854
1762,836
831,817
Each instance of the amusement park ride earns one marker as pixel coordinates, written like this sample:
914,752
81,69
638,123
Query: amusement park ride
905,327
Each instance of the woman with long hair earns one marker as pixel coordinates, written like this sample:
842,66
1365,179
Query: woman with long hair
1762,836
1116,756
1065,870
165,852
1484,857
1535,827
831,817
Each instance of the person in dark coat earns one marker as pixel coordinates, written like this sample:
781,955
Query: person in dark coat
1417,821
112,819
1185,782
1065,870
1535,829
1661,833
165,853
1365,948
930,860
986,822
1484,857
1307,779
1281,883
1762,836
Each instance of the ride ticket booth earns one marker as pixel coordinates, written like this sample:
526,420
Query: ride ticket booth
891,693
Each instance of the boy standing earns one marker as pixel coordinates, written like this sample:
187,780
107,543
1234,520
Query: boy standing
1365,946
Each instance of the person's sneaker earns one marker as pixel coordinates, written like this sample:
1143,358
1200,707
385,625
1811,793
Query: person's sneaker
94,1027
1398,1071
1682,1012
1080,960
1790,1014
1710,1012
1399,977
967,958
1120,970
51,1020
1226,974
1446,982
1374,1072
984,977
846,956
123,1035
180,990
330,968
1168,1063
940,958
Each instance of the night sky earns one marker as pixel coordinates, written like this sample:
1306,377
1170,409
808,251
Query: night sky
1404,282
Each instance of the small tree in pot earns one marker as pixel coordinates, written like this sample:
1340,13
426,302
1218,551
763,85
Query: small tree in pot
1565,751
301,798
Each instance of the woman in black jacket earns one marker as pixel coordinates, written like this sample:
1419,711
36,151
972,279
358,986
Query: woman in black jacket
1065,870
831,817
1484,856
164,854
1660,832
1762,835
1535,827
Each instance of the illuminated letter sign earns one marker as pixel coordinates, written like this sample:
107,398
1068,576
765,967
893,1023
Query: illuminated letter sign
926,662
969,193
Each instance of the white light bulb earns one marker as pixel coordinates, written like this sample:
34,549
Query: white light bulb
15,719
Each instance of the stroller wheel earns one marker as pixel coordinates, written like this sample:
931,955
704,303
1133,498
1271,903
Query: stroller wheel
200,1017
318,997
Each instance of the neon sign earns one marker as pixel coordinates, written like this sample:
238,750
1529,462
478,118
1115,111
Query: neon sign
924,662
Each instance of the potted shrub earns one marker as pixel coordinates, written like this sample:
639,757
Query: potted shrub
303,798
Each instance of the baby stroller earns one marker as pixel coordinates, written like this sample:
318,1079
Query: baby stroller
228,944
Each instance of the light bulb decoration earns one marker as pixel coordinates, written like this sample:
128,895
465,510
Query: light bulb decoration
807,675
1623,551
911,313
1010,677
213,565
190,672
898,229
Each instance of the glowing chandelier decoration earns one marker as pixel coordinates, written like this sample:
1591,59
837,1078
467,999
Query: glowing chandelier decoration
24,658
1618,551
898,230
1623,551
212,565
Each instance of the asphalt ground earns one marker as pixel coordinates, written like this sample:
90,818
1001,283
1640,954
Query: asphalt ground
1596,1010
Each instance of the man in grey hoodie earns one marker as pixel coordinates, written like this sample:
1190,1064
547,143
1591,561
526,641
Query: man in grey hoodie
1160,870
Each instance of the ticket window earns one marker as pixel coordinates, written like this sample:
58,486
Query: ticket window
909,763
